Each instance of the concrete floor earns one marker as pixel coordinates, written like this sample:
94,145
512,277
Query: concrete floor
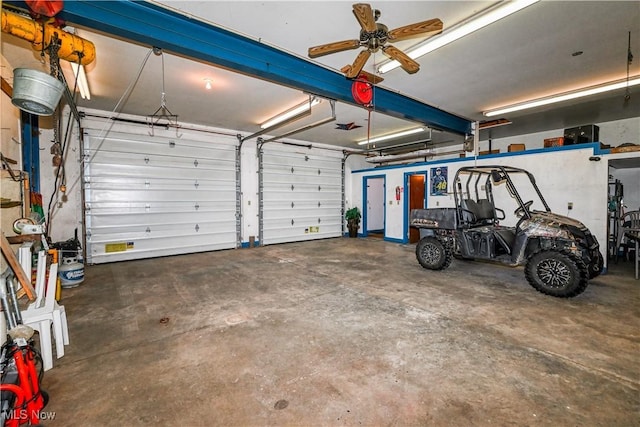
343,332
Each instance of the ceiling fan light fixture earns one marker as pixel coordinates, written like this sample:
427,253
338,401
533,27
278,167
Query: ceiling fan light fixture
292,112
564,96
392,136
460,31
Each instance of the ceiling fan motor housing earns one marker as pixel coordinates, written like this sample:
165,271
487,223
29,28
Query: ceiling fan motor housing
374,40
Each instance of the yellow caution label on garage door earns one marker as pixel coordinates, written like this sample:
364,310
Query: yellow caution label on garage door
118,247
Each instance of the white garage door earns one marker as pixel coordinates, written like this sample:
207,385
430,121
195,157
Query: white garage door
149,196
300,194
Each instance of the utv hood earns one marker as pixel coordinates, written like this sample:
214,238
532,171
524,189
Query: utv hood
549,224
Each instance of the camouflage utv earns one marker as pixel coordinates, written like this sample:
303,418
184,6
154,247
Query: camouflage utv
560,255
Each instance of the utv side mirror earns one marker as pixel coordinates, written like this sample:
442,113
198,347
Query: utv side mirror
496,176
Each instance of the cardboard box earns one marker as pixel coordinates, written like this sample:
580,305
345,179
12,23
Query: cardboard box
484,153
554,142
516,147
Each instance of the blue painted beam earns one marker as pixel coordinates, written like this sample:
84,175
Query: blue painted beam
149,24
31,149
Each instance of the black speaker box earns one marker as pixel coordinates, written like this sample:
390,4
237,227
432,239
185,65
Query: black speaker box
582,134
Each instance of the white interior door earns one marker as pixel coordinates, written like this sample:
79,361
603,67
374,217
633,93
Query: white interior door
375,204
301,194
148,196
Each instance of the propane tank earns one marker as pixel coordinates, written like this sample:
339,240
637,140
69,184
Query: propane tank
71,272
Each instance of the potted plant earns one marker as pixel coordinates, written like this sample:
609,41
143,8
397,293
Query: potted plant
353,221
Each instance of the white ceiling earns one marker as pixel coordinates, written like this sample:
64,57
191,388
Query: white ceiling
526,55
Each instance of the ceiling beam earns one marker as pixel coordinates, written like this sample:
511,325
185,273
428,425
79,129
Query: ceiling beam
152,25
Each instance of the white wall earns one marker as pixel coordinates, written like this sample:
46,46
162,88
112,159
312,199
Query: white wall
563,175
66,207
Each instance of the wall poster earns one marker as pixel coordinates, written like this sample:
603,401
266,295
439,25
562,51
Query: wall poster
439,181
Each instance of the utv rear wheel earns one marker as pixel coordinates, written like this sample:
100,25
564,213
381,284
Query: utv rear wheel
559,274
433,254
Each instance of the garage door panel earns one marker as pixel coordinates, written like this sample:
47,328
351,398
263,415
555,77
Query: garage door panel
153,182
157,231
157,146
321,206
301,195
301,223
288,196
126,194
160,218
150,247
142,160
151,196
126,207
119,173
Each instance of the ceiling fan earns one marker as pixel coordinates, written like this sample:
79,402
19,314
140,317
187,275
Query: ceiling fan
374,36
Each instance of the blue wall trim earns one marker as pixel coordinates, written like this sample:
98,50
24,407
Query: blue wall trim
151,25
391,239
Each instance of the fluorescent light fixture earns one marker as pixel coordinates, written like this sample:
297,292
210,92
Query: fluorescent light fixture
81,79
391,136
292,112
593,90
436,42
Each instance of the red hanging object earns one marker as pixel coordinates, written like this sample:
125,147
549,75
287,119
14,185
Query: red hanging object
44,7
362,92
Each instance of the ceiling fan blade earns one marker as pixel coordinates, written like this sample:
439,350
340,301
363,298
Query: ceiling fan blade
328,48
358,64
407,64
430,27
371,78
364,15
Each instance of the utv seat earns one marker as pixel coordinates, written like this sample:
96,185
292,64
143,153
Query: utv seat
506,238
487,213
477,213
470,212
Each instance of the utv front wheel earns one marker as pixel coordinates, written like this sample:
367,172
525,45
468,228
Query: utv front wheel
432,253
559,274
597,266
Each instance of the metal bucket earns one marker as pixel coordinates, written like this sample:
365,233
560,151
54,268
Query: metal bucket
36,92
